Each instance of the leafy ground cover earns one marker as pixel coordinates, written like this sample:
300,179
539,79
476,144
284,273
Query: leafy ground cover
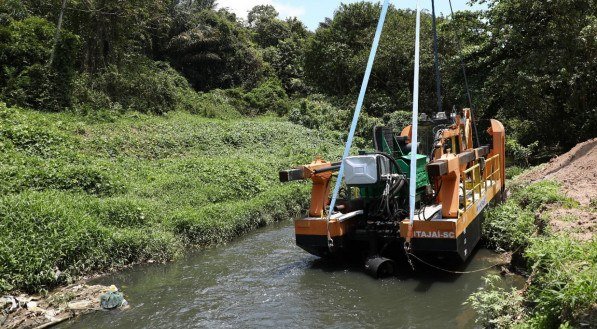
80,194
560,265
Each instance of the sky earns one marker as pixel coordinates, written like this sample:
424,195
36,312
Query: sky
311,12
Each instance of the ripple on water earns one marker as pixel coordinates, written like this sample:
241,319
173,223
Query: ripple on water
264,280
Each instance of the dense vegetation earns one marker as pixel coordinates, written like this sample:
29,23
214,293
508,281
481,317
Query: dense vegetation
561,288
532,65
138,127
82,194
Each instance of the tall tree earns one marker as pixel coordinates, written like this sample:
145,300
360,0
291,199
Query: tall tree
268,30
337,54
110,30
541,66
214,51
27,77
460,39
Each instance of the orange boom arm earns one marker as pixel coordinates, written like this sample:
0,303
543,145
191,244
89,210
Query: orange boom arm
320,172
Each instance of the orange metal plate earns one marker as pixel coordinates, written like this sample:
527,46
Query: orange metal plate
430,229
318,226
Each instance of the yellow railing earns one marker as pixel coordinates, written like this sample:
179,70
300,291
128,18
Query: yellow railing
471,181
475,183
492,169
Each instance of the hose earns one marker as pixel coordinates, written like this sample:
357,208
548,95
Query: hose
397,187
391,158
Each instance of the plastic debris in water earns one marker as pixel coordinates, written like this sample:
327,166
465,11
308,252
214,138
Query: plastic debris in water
8,304
112,299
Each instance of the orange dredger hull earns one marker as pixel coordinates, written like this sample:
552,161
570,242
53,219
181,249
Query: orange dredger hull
318,226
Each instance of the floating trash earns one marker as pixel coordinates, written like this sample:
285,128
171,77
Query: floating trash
112,299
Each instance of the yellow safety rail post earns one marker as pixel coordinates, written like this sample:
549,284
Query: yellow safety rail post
476,180
493,168
474,185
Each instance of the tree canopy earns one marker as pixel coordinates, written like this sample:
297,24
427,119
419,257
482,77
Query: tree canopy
540,69
531,64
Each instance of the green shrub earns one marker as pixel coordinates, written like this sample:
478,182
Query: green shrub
320,113
39,156
398,119
42,233
513,171
34,87
29,134
508,226
128,246
22,173
520,154
540,194
140,85
122,212
563,289
378,104
199,182
511,225
83,178
49,237
269,96
11,10
522,139
313,112
495,306
136,187
215,104
34,139
564,286
90,96
219,222
185,134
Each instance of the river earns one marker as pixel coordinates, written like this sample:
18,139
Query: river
262,280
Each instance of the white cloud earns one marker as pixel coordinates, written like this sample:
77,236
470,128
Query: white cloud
242,7
288,10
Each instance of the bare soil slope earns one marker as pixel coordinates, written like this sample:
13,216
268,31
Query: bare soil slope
575,170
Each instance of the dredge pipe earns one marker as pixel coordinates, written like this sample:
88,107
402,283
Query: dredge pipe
333,167
380,267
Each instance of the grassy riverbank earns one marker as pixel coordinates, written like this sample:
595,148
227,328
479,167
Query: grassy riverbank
552,239
82,194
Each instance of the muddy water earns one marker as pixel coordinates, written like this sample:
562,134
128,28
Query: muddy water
264,280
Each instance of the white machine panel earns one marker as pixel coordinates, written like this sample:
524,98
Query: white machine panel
365,169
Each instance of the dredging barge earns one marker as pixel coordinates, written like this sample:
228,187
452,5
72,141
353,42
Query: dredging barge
395,200
453,185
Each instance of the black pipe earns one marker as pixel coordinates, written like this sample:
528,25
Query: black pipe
380,267
330,168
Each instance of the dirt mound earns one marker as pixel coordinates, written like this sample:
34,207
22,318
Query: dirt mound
575,170
579,224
